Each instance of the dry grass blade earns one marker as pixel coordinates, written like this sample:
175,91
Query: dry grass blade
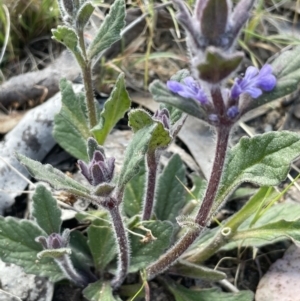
7,31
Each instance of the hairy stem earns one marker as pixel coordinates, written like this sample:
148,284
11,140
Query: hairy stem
88,84
151,181
66,266
218,241
215,176
203,214
123,247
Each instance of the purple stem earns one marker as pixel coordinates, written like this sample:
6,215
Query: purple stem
66,266
215,176
122,242
150,193
201,219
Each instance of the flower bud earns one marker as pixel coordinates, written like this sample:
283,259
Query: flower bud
99,169
164,117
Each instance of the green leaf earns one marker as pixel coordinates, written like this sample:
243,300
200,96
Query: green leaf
161,138
18,246
110,29
66,36
84,14
93,216
54,253
142,254
286,68
114,109
54,177
69,38
134,192
260,199
70,124
46,211
218,64
101,241
263,160
138,119
198,189
135,153
285,220
191,270
271,232
81,254
170,197
184,294
99,291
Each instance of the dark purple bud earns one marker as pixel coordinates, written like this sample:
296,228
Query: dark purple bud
233,112
190,89
54,240
214,21
163,116
84,170
254,82
99,170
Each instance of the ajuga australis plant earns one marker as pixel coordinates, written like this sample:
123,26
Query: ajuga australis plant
145,221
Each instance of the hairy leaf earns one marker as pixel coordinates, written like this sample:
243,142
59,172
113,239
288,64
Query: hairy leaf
263,160
285,220
101,241
218,65
160,136
69,38
170,197
54,177
18,246
81,255
143,253
114,109
70,124
99,291
110,29
134,192
135,153
184,294
46,211
84,14
191,270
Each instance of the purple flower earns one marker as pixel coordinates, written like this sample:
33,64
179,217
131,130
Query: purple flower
99,170
190,89
254,82
232,112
